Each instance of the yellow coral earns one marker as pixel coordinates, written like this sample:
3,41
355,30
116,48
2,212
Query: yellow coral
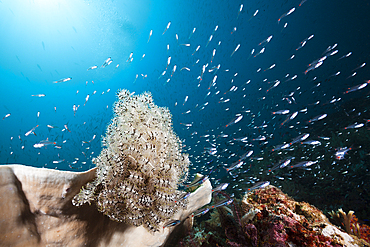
341,216
141,166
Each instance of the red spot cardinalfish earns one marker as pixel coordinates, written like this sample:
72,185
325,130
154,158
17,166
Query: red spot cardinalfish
317,118
223,203
7,115
221,187
65,126
235,165
63,80
303,164
199,212
357,87
286,14
44,143
259,185
234,121
168,26
281,165
31,131
172,223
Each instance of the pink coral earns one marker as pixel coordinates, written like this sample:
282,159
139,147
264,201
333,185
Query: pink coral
282,220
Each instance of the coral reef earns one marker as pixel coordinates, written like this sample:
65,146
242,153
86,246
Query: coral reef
284,220
141,166
341,216
351,224
36,210
271,218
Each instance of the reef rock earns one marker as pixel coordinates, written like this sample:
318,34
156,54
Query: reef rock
278,220
36,210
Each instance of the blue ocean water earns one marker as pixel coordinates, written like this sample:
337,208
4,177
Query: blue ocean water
303,63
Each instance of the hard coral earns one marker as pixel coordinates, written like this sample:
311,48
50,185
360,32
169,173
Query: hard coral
139,171
350,223
284,222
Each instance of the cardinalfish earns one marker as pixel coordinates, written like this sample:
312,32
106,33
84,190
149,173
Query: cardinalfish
58,161
172,223
212,83
354,126
220,187
357,87
200,212
259,185
107,62
211,150
130,58
63,80
43,143
66,127
286,14
192,32
341,152
281,164
280,112
240,10
168,61
31,131
290,117
317,118
299,138
168,26
277,82
209,39
185,196
6,116
311,142
267,40
196,49
237,48
87,98
237,164
235,120
75,108
271,67
254,14
213,55
150,35
173,70
163,73
304,42
92,67
222,203
303,164
186,99
197,181
90,140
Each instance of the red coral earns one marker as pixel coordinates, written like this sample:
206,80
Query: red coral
283,220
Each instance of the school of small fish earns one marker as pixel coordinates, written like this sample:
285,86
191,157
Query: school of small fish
246,136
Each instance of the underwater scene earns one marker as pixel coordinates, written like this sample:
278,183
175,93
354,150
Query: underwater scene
259,94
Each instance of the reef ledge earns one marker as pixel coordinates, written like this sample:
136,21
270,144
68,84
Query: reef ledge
36,210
